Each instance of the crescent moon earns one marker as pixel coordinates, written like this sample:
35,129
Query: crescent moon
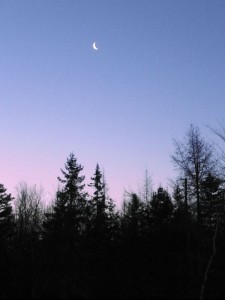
94,46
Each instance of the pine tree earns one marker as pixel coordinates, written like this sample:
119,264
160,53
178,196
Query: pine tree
104,215
161,207
64,230
6,216
68,218
132,217
212,201
180,204
6,242
112,220
98,202
178,195
72,182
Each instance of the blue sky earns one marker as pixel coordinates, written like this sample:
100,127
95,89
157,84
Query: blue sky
160,66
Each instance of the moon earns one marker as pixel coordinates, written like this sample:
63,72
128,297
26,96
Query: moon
94,46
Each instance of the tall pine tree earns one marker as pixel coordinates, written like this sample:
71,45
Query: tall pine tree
212,201
6,216
64,230
6,242
98,202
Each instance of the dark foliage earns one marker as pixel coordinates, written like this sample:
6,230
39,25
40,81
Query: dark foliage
82,248
6,241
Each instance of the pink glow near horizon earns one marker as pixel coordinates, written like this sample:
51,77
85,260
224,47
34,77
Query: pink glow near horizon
160,67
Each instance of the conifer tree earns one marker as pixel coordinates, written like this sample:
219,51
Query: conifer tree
132,217
98,201
6,216
6,242
161,207
69,210
112,220
64,229
212,201
178,195
180,204
104,215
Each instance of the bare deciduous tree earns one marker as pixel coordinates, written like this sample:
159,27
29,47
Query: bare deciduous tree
194,160
29,209
220,132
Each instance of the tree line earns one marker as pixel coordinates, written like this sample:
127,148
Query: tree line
160,245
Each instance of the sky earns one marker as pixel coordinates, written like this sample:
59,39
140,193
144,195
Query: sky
160,66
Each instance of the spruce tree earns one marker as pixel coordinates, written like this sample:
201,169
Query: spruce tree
212,201
6,242
6,216
98,201
64,230
161,207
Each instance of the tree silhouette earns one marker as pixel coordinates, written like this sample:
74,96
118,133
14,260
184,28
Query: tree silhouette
194,160
98,203
212,201
146,188
29,212
6,241
70,205
159,246
64,229
161,207
6,216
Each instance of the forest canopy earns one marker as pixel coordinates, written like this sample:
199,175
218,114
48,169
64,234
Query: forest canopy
160,245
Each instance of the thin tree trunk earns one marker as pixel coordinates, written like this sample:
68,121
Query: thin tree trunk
209,263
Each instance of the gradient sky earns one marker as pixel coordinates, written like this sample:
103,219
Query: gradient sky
160,66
